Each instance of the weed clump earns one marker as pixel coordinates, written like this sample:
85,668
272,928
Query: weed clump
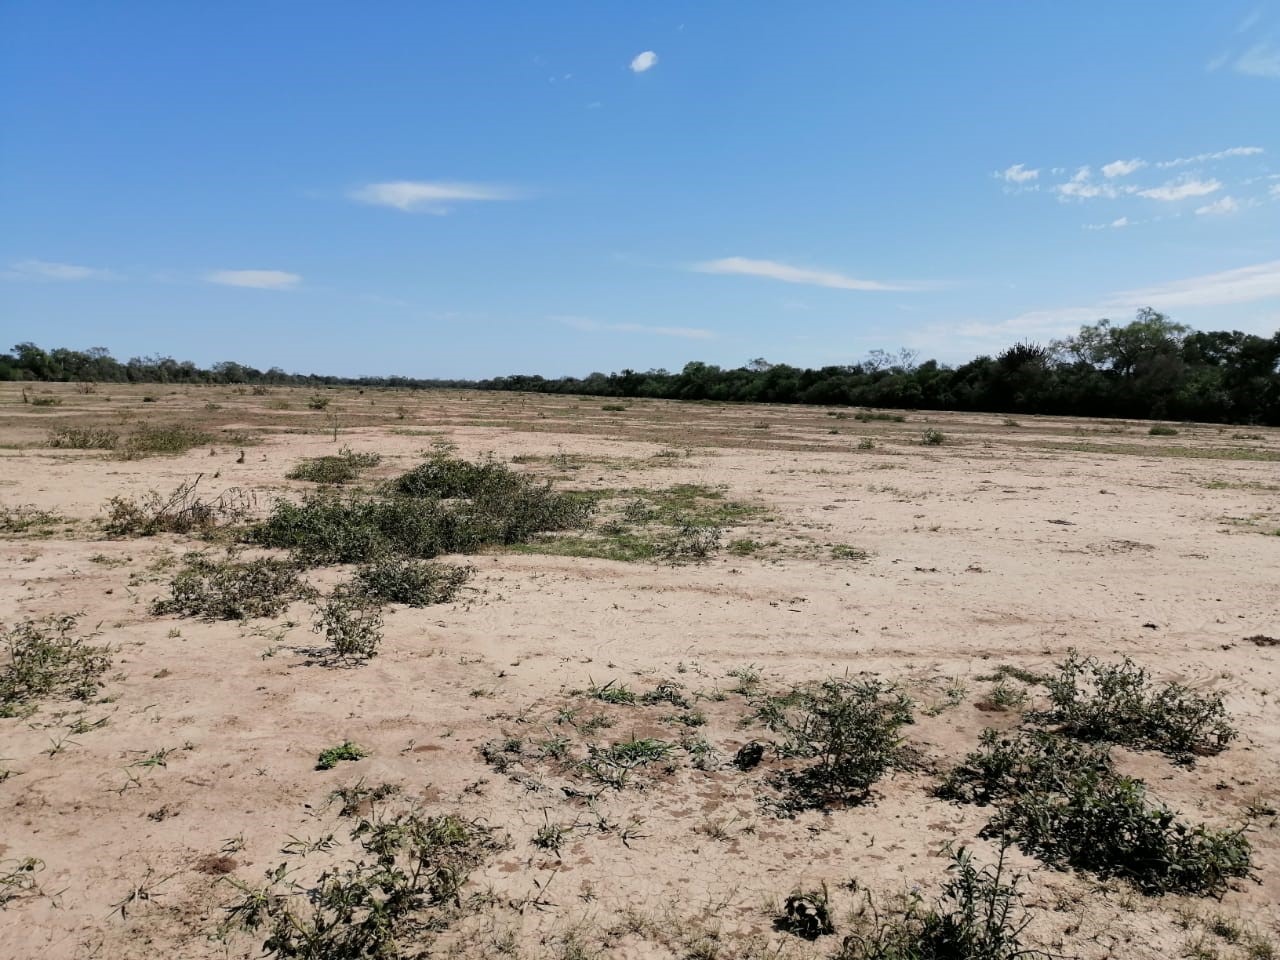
403,885
343,467
849,728
411,582
352,627
1119,703
933,438
979,915
26,517
1162,431
84,438
45,659
232,590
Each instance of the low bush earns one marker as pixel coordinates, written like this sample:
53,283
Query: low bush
1162,431
232,590
1119,703
410,582
23,518
330,757
402,886
849,728
84,438
343,467
933,438
45,659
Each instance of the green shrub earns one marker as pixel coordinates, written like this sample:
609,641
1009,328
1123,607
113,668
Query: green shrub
1119,703
385,903
46,400
410,582
44,660
849,728
933,438
84,438
232,590
613,408
22,518
352,627
690,543
1064,802
318,402
979,915
343,467
1162,431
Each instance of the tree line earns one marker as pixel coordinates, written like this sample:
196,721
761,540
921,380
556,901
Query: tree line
1149,368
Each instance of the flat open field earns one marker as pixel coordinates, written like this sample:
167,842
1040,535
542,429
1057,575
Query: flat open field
848,548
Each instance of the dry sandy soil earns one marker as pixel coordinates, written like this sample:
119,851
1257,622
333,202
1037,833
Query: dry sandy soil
927,565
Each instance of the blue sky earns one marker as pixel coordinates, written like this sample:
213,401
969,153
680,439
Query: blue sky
478,189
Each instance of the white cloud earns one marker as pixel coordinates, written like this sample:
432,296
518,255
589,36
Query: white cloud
1182,189
1260,60
48,270
1082,187
594,326
1275,191
1203,157
1122,168
773,270
422,196
643,61
257,279
1018,173
1244,285
1227,204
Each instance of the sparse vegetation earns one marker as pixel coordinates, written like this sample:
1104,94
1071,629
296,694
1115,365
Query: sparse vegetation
1162,431
182,511
46,659
351,625
24,518
402,886
152,440
1119,703
932,437
232,589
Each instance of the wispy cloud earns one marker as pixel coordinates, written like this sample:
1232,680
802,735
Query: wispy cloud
1081,186
1122,168
644,61
1017,174
1115,224
773,270
1182,189
1260,60
48,270
427,196
257,279
1226,204
1244,285
1207,157
588,325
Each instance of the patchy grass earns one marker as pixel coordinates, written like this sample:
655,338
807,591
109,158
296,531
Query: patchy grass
28,518
45,659
84,438
157,440
345,751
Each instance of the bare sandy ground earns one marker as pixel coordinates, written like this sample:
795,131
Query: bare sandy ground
1009,544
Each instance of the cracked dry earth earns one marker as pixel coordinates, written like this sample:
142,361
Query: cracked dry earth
928,566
